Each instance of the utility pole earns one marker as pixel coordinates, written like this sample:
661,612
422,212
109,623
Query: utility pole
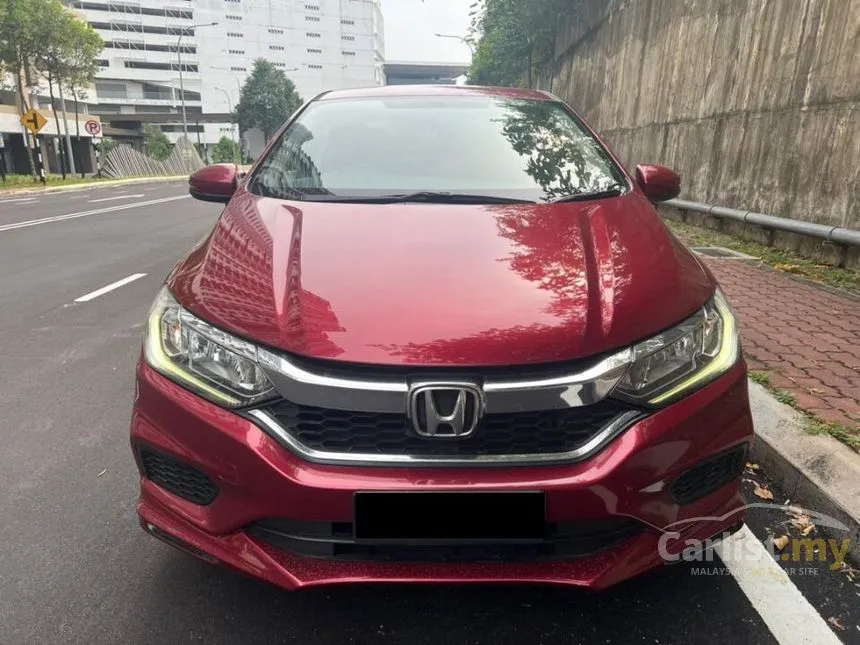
181,78
230,109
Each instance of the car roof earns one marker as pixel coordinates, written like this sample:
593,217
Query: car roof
435,90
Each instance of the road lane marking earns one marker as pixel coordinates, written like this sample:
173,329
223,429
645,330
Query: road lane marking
92,295
107,199
783,608
17,201
98,211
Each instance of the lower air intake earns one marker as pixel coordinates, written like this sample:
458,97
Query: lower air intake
709,476
178,478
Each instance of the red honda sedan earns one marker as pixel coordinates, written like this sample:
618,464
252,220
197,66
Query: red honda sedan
439,334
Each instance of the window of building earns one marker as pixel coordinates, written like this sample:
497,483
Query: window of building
314,66
314,51
277,48
141,46
233,1
238,69
350,38
134,9
347,22
276,31
349,53
312,7
312,18
146,29
313,35
238,52
111,90
232,17
280,64
234,34
137,64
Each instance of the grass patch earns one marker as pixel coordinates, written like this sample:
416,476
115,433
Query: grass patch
812,423
785,397
779,259
815,425
15,182
762,378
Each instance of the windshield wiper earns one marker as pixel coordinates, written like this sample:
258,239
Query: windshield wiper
425,197
615,191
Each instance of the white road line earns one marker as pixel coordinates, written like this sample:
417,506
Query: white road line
788,615
98,211
92,295
17,201
107,199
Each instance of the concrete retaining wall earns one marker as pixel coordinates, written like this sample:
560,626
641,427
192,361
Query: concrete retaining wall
755,102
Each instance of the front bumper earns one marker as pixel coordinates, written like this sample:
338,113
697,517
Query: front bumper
258,479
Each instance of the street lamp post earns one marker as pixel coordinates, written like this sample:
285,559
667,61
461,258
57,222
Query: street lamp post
466,41
230,108
181,81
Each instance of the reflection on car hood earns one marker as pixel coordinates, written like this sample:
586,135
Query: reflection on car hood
430,284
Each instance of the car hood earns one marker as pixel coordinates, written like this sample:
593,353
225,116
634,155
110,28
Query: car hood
434,284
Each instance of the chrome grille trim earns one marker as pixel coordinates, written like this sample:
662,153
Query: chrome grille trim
388,394
600,439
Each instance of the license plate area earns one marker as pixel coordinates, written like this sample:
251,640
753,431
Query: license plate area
446,517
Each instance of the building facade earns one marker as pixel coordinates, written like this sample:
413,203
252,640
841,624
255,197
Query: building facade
158,51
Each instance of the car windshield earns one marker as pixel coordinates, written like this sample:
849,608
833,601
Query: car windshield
486,146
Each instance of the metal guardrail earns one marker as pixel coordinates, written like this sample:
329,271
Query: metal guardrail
834,234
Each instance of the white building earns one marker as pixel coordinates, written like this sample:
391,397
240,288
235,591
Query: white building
153,48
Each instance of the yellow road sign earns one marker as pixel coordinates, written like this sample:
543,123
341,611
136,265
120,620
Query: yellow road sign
33,121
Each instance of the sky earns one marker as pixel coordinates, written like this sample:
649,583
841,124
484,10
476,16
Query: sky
410,26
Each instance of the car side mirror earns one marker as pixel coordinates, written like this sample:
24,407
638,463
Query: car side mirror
215,183
658,182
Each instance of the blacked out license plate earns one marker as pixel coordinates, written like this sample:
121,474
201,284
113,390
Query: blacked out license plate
447,516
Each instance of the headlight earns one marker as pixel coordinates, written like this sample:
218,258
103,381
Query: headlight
212,363
683,358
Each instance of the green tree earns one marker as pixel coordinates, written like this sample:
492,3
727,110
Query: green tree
18,43
225,151
267,99
155,142
43,36
515,39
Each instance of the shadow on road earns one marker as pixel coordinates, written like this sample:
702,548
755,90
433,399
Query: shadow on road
194,600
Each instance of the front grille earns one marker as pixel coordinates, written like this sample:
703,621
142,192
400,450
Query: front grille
334,541
518,433
709,476
178,478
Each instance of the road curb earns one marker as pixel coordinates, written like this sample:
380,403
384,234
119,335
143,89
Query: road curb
815,471
86,186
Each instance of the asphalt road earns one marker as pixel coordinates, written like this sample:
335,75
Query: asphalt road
76,568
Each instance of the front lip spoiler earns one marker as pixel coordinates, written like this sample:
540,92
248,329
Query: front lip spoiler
603,437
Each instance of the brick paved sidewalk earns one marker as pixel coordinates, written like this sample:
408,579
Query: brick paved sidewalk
806,338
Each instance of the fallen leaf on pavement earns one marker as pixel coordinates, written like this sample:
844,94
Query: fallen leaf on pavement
788,268
803,523
753,466
833,620
809,529
762,491
781,542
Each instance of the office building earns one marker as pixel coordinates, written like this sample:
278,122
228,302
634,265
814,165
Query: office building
157,52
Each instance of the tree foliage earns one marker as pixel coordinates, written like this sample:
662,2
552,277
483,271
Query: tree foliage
515,38
44,36
225,151
156,143
267,99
